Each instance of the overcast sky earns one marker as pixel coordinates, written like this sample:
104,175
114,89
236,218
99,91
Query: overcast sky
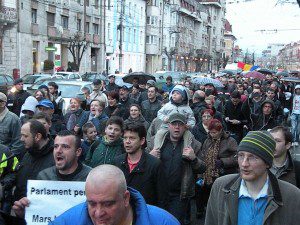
247,17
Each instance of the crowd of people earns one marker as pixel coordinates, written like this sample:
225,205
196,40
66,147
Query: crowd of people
224,148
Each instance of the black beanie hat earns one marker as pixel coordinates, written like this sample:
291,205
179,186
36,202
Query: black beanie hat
259,143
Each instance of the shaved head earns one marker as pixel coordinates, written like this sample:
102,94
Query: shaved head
106,174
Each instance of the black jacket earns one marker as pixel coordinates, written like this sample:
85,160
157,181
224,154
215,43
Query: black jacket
150,109
31,165
124,107
234,112
199,132
197,108
147,177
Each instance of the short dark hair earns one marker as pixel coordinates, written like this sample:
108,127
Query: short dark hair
136,105
169,78
87,126
138,128
53,84
288,137
136,86
85,88
152,86
235,94
42,115
65,133
113,95
37,127
115,120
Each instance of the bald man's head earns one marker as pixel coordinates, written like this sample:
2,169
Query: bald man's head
105,174
198,96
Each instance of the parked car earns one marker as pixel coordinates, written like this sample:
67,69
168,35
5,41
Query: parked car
30,79
67,89
68,75
93,76
6,83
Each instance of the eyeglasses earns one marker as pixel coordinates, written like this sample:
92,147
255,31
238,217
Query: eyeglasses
250,159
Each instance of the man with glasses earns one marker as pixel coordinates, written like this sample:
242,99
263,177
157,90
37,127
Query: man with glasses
181,162
255,196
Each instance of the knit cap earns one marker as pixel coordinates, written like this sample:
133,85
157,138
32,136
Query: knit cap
259,143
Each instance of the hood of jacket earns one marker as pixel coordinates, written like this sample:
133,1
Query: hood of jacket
30,104
183,89
270,102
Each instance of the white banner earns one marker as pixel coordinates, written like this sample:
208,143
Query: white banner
49,199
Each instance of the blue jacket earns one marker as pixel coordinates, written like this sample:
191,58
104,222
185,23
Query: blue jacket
145,214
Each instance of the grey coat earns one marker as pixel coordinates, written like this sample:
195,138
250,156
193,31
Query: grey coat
51,174
282,208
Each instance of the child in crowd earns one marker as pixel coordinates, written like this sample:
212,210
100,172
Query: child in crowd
89,137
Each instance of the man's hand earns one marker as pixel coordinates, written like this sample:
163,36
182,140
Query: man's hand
19,207
155,152
189,153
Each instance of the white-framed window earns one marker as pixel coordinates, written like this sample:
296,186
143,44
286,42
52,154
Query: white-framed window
33,15
87,27
108,31
65,22
151,39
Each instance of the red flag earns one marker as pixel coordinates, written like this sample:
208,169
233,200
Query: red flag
241,65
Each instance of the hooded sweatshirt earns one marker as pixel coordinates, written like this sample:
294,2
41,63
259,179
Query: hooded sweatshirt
29,104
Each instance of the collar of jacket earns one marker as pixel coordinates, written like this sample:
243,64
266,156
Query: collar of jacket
78,112
140,167
3,114
44,150
232,195
114,143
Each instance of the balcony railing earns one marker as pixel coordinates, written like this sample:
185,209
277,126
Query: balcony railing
216,3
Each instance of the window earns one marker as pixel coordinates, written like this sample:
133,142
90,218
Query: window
129,9
79,24
152,20
134,36
96,28
108,31
108,5
1,49
129,35
50,19
33,16
65,22
96,4
151,39
87,27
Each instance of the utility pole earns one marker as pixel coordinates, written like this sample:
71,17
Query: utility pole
121,28
84,17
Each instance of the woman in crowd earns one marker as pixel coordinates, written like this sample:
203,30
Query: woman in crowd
74,114
96,115
113,108
136,116
200,130
219,150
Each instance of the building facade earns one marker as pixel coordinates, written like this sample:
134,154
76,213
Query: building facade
8,36
229,40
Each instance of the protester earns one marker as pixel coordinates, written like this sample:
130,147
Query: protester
38,156
125,101
151,105
136,116
89,137
114,107
199,104
112,86
10,127
295,116
283,165
168,86
181,162
233,197
104,150
142,171
107,183
98,92
16,97
200,130
74,115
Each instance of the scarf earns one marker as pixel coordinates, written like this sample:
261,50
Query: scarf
212,172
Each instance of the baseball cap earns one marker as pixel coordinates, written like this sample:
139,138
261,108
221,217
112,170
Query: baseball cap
96,81
46,103
3,97
177,117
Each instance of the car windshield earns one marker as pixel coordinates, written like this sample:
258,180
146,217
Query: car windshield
30,79
69,90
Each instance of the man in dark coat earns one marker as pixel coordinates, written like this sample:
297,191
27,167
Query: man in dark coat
199,104
16,99
125,102
142,171
39,155
283,165
234,117
151,106
112,86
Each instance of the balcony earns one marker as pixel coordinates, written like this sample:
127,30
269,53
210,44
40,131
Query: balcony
96,39
8,15
52,32
88,37
152,49
194,15
216,3
34,29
